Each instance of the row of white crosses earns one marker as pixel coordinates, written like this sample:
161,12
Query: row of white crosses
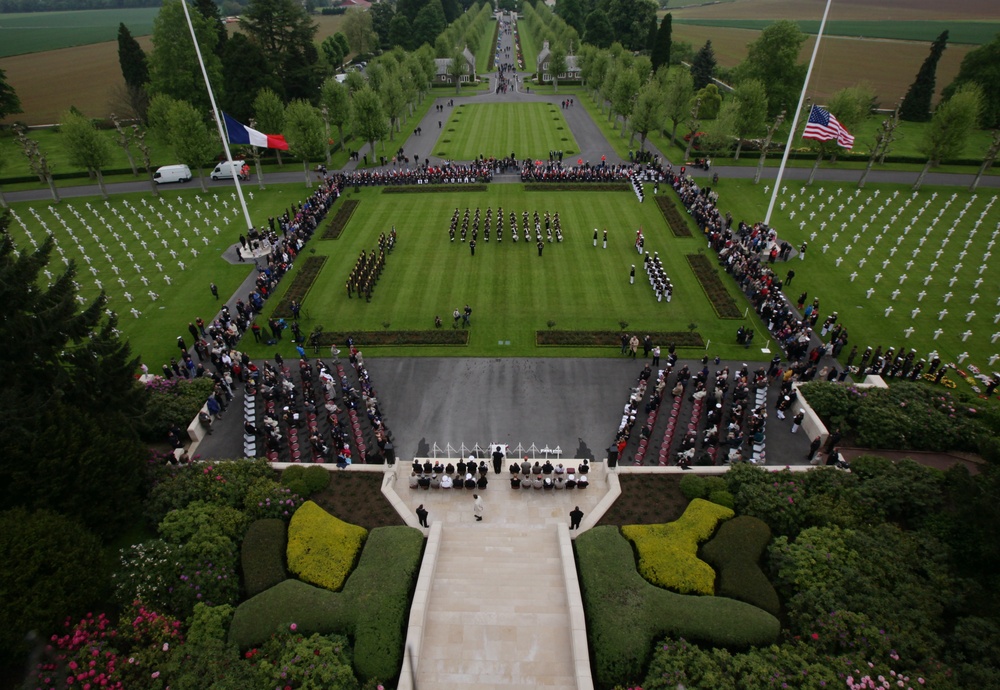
895,209
119,223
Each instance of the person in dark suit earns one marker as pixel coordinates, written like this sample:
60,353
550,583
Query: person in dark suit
575,516
497,459
422,515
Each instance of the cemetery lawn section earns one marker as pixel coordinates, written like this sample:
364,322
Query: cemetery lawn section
918,228
153,334
513,292
499,129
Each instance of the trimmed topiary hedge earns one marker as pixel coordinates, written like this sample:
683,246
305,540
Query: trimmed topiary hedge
322,549
305,480
735,554
577,187
668,553
263,555
626,615
432,188
372,609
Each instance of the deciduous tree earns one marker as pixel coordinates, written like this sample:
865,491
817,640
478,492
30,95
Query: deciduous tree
369,117
269,113
751,110
358,29
193,142
87,147
458,67
773,59
647,116
982,68
428,23
598,31
304,132
333,96
950,128
557,64
678,88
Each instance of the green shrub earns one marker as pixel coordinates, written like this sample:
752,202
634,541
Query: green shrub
322,549
224,482
722,498
735,554
266,498
296,486
317,662
171,402
372,608
317,478
305,480
693,486
263,555
713,483
668,552
626,615
200,520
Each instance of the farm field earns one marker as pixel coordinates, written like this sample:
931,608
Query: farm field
154,331
497,129
841,61
976,33
36,32
513,292
878,235
877,10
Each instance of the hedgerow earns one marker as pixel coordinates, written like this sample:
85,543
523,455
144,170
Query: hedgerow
263,555
735,554
626,615
668,552
321,548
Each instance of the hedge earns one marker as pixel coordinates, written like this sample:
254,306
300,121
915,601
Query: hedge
668,553
735,553
712,489
171,402
322,549
372,609
708,277
626,615
614,338
263,555
305,480
309,270
340,219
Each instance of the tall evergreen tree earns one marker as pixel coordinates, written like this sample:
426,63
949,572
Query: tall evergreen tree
916,105
210,11
68,397
10,104
132,59
598,29
283,29
703,66
660,54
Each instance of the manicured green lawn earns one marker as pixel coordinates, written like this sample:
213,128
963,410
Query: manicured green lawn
154,332
499,129
513,292
35,32
865,317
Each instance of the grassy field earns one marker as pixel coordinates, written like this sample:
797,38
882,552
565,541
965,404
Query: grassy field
513,292
837,63
36,32
897,214
975,33
154,332
497,129
857,10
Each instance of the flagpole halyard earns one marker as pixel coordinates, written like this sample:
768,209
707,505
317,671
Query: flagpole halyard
795,118
216,115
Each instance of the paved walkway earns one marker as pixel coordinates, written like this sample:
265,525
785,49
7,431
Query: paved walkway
499,609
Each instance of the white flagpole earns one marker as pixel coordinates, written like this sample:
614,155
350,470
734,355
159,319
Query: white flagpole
218,118
795,119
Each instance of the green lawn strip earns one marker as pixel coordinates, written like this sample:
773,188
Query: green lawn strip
968,32
302,282
626,615
514,293
35,32
341,217
611,130
486,48
372,609
865,317
153,334
499,129
735,552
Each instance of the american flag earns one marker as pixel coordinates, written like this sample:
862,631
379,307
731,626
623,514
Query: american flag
823,126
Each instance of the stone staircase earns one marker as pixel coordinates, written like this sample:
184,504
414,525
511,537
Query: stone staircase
498,613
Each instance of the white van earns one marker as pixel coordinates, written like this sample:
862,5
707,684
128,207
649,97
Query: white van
172,173
227,171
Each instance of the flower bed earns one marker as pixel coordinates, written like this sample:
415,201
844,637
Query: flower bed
432,188
735,553
626,615
576,187
675,219
613,338
708,277
440,336
309,270
321,548
668,553
340,219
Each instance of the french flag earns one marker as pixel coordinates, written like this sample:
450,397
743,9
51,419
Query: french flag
241,134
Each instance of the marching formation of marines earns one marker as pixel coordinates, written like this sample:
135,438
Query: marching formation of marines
368,267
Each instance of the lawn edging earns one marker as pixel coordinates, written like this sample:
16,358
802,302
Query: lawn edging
340,219
308,271
708,277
